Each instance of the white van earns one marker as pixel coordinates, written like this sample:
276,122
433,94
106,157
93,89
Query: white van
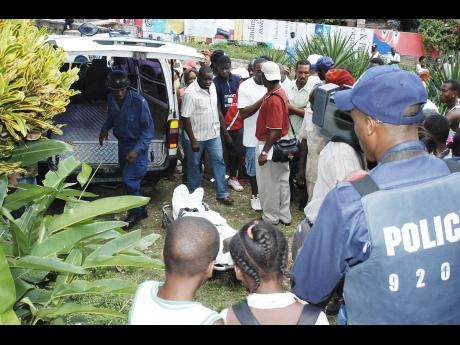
149,66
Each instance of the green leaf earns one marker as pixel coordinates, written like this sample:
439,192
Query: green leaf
21,287
64,241
32,152
86,211
105,286
7,290
75,192
84,175
20,241
19,199
71,308
3,188
9,318
65,168
146,241
123,260
75,257
50,264
117,245
7,248
29,275
39,296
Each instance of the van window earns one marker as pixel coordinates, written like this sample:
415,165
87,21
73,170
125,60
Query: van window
152,79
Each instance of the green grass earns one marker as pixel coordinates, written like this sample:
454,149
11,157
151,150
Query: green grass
235,50
218,293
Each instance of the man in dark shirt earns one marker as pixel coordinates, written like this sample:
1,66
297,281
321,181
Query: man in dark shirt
132,124
226,87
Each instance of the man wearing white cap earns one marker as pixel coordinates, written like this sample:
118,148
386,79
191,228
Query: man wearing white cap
272,125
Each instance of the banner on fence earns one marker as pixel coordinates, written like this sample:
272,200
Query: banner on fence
275,32
163,26
272,32
359,37
405,43
210,28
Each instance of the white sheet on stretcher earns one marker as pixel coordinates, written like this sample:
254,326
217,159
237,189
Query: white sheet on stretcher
183,199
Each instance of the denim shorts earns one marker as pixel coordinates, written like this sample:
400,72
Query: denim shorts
251,161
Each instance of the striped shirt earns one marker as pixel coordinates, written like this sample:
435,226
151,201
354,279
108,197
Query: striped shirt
201,107
149,309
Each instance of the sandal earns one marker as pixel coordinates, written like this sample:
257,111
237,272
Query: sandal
228,200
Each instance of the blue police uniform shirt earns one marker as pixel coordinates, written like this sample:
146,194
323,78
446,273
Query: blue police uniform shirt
132,123
226,91
340,238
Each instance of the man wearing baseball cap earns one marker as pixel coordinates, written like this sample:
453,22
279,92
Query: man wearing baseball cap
272,124
396,247
130,118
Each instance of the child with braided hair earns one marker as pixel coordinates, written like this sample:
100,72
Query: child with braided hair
260,252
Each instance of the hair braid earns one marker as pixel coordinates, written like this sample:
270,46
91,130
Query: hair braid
283,252
260,250
240,261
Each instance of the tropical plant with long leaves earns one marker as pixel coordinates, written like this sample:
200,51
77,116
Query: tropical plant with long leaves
338,47
276,55
439,74
44,257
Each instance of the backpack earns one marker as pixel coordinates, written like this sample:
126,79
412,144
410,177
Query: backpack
244,315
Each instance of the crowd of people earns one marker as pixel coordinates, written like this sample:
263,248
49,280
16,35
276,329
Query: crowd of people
376,240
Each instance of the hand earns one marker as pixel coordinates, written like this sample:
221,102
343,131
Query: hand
103,137
131,156
195,146
262,159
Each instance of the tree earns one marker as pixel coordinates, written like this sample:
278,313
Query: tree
439,34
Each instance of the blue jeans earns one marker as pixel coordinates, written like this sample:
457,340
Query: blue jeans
194,176
342,317
250,161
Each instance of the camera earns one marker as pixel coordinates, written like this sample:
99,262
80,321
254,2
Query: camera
334,124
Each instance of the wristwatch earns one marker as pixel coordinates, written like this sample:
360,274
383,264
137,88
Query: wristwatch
264,153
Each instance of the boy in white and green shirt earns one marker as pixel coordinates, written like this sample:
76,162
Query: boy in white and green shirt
190,251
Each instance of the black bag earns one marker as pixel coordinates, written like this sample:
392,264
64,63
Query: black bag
285,149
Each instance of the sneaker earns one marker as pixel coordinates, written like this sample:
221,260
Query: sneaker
255,203
235,184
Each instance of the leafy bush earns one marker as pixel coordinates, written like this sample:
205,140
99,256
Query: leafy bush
42,256
339,48
439,34
32,89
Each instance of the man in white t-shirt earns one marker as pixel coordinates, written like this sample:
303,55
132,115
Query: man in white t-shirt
394,58
250,96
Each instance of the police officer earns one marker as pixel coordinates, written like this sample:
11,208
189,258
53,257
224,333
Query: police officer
399,252
129,116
